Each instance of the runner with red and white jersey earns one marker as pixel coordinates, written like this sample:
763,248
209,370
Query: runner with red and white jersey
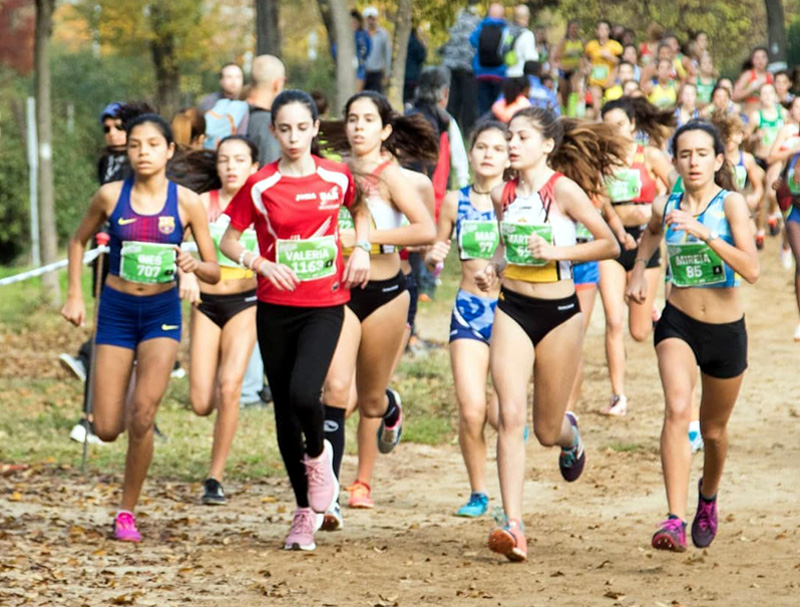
303,285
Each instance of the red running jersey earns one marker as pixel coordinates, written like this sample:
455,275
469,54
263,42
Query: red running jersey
294,215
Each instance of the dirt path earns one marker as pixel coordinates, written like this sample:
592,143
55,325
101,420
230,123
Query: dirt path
588,542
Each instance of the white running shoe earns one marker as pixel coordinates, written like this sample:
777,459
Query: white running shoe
617,406
82,432
797,333
786,259
73,365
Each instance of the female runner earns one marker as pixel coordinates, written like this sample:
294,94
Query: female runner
709,245
375,317
303,285
538,325
224,317
140,314
631,192
470,212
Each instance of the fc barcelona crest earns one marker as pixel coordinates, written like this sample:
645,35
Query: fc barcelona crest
166,225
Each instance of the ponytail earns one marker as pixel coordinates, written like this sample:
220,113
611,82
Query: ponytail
653,121
586,152
188,126
197,169
412,136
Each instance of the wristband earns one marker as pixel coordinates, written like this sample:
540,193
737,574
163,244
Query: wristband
257,263
364,244
241,256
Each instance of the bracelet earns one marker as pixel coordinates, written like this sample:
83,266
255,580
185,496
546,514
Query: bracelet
253,261
257,263
642,259
241,256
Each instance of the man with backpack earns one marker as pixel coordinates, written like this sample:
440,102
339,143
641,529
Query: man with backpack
224,112
268,77
489,65
521,43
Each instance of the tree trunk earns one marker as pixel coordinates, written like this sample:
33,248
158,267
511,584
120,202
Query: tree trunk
47,216
776,27
268,34
402,32
165,62
345,54
327,19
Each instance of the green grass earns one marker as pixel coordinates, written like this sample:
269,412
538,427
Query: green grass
36,414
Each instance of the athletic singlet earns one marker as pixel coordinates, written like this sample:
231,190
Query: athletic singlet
295,219
704,90
752,77
571,55
128,226
740,172
217,224
633,185
476,231
792,141
541,210
663,96
769,127
794,187
694,258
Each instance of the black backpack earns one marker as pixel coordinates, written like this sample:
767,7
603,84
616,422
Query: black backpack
491,45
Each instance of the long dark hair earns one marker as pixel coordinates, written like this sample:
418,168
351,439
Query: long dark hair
197,169
649,119
297,96
157,121
724,177
412,137
485,125
586,152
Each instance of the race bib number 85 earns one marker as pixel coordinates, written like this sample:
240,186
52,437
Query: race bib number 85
310,259
695,265
147,262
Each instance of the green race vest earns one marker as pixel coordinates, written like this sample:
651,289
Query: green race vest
310,259
515,237
478,239
147,262
695,264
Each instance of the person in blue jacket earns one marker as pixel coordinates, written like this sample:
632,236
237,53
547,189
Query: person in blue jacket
489,61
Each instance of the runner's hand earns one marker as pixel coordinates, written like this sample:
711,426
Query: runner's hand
189,288
185,260
282,277
540,248
685,222
628,242
75,311
356,274
487,277
438,253
637,288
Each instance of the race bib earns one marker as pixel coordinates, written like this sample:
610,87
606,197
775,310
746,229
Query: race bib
478,239
248,240
695,264
582,233
600,73
770,134
345,219
147,262
625,185
740,177
310,259
515,237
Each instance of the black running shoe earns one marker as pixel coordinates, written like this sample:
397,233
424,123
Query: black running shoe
213,495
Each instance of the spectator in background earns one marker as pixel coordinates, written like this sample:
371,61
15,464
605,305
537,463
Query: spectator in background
268,76
514,99
415,59
521,42
378,64
113,164
489,62
223,111
457,56
363,46
540,95
783,85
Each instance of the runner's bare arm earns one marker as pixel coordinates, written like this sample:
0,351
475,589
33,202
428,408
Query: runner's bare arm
491,273
356,273
651,239
421,229
447,221
206,270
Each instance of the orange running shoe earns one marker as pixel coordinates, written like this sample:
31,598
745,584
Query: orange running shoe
509,540
359,495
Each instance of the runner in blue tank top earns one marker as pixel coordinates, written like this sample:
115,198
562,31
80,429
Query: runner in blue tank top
709,245
139,316
470,213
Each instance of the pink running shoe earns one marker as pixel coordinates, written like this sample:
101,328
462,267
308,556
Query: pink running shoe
323,488
301,534
509,540
671,535
125,527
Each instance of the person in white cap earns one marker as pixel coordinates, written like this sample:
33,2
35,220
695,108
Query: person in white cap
379,61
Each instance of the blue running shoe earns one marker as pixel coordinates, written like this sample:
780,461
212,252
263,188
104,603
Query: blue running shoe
477,505
571,461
